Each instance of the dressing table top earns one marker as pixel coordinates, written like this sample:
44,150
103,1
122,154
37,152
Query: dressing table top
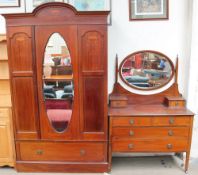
149,110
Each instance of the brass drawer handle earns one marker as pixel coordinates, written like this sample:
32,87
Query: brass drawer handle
130,146
171,120
39,152
169,146
131,121
131,133
170,133
82,152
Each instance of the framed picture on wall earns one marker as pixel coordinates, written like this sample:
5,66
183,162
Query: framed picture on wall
30,5
9,3
148,9
39,2
92,5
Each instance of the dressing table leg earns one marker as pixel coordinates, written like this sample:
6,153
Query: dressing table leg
110,156
187,162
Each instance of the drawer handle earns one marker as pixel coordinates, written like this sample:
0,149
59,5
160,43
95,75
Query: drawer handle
130,146
131,133
131,121
170,133
39,152
82,152
176,103
169,146
171,121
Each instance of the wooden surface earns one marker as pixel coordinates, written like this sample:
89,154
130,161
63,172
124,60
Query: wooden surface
3,49
150,145
6,138
4,87
86,36
2,38
150,123
93,81
151,110
142,132
4,72
59,78
61,167
5,100
70,152
6,130
24,108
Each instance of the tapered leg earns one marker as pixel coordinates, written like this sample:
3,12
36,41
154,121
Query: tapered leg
187,162
110,157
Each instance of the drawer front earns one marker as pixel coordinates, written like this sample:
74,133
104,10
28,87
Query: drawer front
168,145
118,103
4,112
171,121
149,132
131,121
177,103
74,152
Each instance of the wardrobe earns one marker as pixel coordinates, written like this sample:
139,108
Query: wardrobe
66,133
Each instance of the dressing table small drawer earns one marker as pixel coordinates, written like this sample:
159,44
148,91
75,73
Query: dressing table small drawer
149,132
172,121
175,101
131,121
137,145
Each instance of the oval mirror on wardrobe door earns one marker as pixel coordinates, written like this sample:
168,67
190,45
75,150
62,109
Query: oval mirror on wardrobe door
58,89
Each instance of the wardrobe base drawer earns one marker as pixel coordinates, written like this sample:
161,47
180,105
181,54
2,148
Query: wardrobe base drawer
168,145
70,152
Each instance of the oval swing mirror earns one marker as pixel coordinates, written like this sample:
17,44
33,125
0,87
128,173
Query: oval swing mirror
58,89
146,70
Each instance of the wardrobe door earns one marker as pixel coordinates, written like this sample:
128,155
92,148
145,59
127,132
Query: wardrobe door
23,81
57,76
93,81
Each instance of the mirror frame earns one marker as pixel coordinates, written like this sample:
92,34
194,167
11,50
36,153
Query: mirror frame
146,89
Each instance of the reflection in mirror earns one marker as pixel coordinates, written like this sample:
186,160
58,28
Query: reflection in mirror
58,89
146,70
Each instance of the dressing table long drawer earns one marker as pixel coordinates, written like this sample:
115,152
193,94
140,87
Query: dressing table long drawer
150,145
149,132
151,121
54,151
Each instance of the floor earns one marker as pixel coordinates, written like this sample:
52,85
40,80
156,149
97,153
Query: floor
158,165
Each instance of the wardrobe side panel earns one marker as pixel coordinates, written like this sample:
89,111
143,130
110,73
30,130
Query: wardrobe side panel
23,82
93,81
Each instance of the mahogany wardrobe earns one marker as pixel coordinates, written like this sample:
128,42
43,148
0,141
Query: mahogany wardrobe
59,95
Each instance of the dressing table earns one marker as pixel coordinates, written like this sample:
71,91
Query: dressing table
157,123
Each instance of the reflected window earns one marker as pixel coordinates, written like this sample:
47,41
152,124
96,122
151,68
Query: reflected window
58,88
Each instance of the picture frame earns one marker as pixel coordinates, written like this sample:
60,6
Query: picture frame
148,10
36,3
93,5
10,3
32,4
